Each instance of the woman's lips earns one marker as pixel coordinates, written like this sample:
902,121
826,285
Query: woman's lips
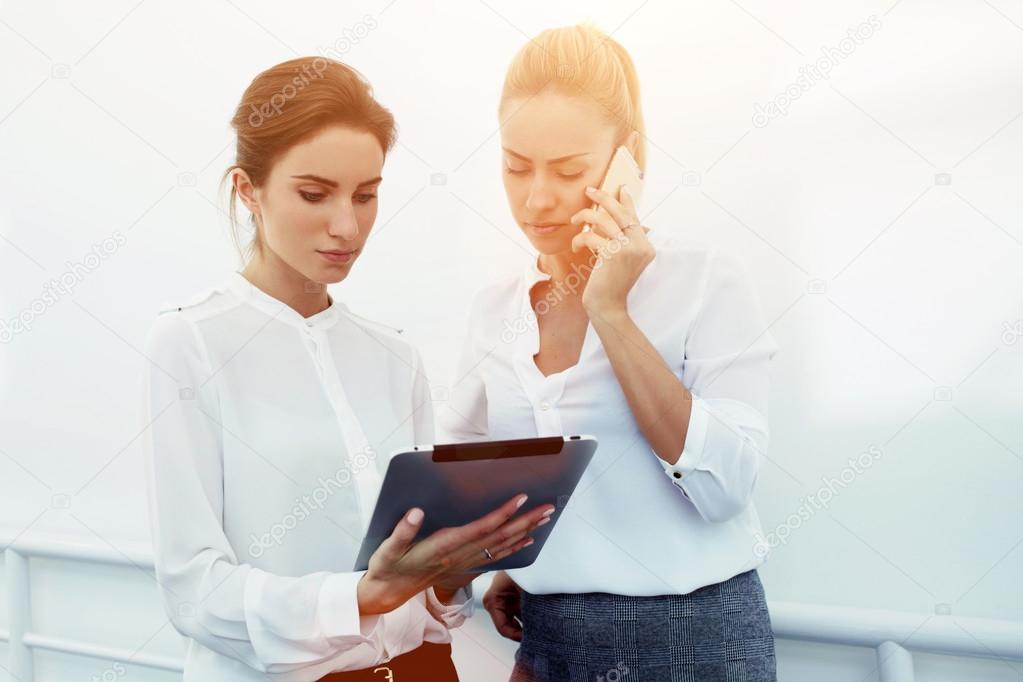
338,256
544,228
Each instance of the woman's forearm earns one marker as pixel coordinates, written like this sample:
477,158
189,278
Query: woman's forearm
660,403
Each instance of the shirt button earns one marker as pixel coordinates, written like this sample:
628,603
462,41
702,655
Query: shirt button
545,406
677,474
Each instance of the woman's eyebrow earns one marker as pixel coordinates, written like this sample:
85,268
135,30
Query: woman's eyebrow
316,178
333,183
560,159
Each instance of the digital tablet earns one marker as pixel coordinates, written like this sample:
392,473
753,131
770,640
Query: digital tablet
457,483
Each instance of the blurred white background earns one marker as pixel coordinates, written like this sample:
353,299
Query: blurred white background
879,214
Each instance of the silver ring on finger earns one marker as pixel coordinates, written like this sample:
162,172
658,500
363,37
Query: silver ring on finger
486,553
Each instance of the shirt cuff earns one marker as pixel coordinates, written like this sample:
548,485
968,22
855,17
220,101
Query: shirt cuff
339,608
454,613
693,450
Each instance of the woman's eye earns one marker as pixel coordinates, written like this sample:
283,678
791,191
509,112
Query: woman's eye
570,176
515,171
312,197
365,198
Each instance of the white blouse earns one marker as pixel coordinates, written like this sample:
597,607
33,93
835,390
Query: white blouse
268,437
635,525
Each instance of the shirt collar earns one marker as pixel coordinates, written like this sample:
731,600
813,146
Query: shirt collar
279,310
533,273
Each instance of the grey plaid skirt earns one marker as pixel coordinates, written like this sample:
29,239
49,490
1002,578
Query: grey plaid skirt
717,633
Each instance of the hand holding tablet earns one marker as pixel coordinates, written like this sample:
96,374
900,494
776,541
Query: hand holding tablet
460,501
449,557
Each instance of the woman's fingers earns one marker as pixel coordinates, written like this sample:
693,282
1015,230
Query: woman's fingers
589,240
513,632
522,524
503,541
601,222
485,525
454,550
508,538
503,549
612,205
509,627
628,204
402,536
463,546
503,609
511,548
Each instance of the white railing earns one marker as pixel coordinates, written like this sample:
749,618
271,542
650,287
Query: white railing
890,633
22,640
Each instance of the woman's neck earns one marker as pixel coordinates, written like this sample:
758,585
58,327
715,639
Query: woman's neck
566,263
276,278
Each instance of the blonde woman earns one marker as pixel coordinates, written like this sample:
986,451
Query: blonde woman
271,409
657,346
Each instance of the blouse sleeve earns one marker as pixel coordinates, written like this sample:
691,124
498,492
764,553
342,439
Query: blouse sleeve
726,368
464,417
422,404
454,614
271,623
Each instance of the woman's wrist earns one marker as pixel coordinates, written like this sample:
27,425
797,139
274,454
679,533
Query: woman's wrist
603,310
445,594
373,596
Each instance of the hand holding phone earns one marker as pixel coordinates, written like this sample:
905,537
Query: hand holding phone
622,171
621,250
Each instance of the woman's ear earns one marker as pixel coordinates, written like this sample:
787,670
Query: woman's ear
632,142
246,190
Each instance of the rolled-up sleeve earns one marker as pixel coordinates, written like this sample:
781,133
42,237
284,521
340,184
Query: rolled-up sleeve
726,367
454,614
271,623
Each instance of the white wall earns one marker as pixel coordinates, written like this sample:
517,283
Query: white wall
113,121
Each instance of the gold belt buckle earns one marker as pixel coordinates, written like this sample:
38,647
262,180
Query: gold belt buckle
387,671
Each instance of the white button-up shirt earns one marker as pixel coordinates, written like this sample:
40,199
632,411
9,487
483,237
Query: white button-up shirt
268,435
635,525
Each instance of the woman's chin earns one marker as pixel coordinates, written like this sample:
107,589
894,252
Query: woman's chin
331,274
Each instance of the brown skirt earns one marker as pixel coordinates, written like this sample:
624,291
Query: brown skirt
429,663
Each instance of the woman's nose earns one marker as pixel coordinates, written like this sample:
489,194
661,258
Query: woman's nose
540,196
344,224
540,200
